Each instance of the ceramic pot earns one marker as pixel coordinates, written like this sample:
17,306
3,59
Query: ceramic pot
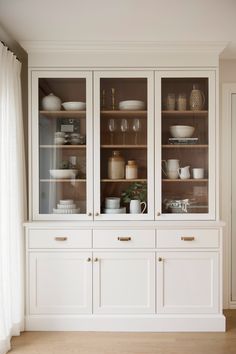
51,103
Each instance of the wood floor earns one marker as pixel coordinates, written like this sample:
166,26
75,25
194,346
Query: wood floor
128,343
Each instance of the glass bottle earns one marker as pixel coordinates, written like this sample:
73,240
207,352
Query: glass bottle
116,166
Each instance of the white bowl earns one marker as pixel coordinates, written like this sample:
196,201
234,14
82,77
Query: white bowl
66,206
63,173
74,106
131,105
181,131
115,211
66,211
66,201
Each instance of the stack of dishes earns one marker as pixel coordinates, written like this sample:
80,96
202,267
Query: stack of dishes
131,105
112,206
66,206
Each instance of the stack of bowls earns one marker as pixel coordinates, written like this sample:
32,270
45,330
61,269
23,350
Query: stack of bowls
112,206
66,206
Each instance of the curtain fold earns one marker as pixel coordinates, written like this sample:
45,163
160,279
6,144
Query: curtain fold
12,200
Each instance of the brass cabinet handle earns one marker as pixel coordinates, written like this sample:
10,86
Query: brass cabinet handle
187,238
89,259
127,238
160,259
89,214
96,259
60,238
158,213
97,214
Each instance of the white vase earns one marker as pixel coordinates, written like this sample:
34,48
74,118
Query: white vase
51,103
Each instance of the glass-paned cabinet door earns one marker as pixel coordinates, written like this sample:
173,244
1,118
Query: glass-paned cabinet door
61,145
185,145
123,142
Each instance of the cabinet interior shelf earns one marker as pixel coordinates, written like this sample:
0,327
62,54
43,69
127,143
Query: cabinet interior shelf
185,113
63,146
63,180
189,180
124,180
124,146
185,146
63,114
127,114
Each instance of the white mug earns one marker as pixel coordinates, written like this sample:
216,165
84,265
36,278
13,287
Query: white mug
198,173
135,207
184,172
60,141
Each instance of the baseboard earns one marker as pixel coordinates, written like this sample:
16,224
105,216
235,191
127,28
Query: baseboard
152,323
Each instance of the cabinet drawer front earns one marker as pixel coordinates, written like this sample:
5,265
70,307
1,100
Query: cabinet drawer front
59,238
187,238
124,238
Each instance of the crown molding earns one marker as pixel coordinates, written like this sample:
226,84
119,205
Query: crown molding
124,46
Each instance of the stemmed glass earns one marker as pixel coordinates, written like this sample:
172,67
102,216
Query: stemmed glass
136,128
124,127
112,128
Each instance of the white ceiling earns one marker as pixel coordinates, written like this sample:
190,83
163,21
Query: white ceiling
121,20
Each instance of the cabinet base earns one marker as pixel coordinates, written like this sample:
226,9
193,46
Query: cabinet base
197,323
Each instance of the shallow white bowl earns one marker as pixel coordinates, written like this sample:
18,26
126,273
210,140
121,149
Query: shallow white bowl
63,173
66,201
74,106
66,211
181,131
115,211
66,206
131,105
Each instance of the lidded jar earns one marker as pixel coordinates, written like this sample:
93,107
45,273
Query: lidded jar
51,103
131,170
116,166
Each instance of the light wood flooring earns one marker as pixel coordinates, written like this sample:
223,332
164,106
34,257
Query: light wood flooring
128,343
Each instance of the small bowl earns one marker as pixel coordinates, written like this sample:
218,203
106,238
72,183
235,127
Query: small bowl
66,201
181,131
57,174
74,106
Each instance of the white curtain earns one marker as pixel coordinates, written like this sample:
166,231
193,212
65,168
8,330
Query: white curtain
12,200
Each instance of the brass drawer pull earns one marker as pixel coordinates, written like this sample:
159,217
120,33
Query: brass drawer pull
61,238
187,238
95,259
160,259
128,238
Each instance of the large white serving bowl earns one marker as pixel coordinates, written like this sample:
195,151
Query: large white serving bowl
132,105
60,174
181,131
74,106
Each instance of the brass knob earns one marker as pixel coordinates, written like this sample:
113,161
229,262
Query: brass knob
96,259
96,214
89,259
89,214
158,213
160,259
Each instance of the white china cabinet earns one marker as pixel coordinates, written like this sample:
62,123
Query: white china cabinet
123,230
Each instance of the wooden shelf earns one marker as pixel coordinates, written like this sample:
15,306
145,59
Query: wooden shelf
124,180
185,113
185,146
127,114
62,146
63,180
63,114
124,146
189,180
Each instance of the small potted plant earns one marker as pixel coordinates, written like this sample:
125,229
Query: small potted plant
136,190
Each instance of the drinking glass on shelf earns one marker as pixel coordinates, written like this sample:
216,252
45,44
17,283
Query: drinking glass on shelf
124,127
136,126
112,128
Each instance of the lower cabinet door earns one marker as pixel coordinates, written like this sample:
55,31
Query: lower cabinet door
187,282
60,283
124,282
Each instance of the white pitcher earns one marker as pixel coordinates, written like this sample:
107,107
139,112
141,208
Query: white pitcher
171,168
135,207
184,172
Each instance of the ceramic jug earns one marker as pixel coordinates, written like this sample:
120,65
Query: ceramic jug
51,103
184,172
171,168
197,99
135,206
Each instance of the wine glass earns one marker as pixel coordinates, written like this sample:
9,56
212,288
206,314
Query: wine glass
112,128
124,127
136,128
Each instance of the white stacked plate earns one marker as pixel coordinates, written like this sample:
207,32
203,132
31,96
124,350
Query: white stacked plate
132,105
66,206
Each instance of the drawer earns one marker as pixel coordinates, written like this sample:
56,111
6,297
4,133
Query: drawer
187,238
59,238
124,238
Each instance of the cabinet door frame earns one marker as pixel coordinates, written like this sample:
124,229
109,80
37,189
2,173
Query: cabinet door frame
163,257
34,148
33,306
149,75
213,152
99,257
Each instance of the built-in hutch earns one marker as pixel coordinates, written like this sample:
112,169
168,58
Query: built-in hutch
124,231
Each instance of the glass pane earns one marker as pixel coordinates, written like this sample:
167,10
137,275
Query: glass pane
123,122
185,145
62,150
